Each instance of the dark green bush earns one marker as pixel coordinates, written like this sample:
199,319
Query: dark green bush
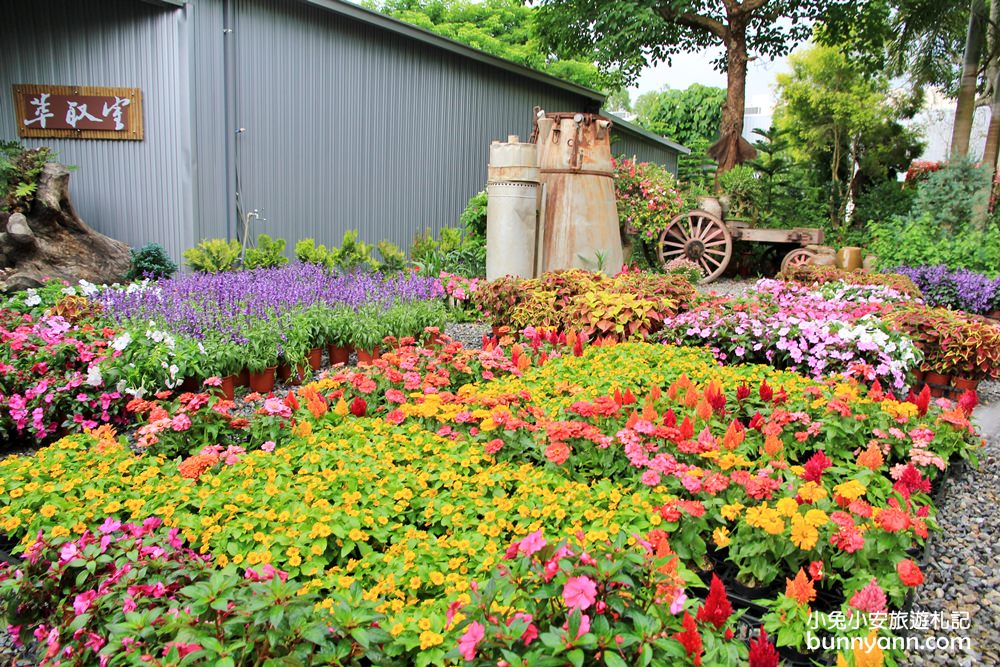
151,261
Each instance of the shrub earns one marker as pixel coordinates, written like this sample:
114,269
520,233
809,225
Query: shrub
744,190
686,269
883,201
151,261
352,255
918,242
952,195
269,253
647,196
473,218
952,343
393,258
213,256
308,252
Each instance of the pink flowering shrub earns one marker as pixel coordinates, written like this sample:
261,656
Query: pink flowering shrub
170,426
599,603
457,287
51,377
134,594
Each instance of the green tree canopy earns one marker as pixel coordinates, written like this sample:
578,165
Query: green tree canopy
503,28
845,123
687,115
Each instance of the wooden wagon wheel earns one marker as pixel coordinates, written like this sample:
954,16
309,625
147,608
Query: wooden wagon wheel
796,258
700,237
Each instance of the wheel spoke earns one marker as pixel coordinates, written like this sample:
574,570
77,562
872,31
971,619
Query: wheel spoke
709,244
721,253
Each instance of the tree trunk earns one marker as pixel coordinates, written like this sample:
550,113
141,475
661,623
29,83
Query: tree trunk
965,107
51,241
732,149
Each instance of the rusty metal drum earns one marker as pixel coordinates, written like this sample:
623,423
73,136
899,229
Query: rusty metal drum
579,219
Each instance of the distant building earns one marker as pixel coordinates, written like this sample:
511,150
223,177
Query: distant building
321,114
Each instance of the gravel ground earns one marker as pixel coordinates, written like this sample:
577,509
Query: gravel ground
963,561
728,286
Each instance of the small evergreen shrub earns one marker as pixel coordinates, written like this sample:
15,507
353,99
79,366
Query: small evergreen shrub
268,253
151,261
213,256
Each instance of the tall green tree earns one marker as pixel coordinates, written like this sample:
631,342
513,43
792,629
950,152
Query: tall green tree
627,35
504,28
845,122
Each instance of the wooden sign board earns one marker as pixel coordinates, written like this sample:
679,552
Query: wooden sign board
78,112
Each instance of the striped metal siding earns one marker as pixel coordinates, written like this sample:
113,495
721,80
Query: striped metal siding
625,143
353,127
137,192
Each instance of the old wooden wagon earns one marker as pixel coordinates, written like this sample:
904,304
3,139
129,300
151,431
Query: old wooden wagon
706,240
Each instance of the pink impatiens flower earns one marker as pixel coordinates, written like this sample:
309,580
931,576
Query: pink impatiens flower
468,642
579,592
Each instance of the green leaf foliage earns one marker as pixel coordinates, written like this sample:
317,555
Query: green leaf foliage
213,256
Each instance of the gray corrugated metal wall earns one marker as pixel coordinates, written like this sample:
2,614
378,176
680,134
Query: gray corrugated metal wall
134,191
350,126
624,143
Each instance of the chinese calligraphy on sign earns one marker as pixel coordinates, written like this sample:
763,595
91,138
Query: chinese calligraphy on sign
78,112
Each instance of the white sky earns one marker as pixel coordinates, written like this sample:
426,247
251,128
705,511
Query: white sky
689,68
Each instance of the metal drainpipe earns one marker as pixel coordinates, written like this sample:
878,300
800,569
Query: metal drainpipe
229,102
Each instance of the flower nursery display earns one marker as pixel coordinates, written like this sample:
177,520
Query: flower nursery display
543,500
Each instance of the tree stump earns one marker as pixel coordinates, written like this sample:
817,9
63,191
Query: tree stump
51,241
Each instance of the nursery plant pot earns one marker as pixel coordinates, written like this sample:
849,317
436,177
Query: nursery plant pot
286,376
316,358
938,383
228,387
918,376
338,354
262,382
189,384
365,357
243,378
964,384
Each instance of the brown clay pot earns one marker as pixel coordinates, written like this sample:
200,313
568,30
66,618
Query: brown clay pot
937,378
918,376
338,354
365,357
189,384
263,382
315,358
286,376
228,387
964,384
243,378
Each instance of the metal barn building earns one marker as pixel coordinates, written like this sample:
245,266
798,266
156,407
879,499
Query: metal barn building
321,114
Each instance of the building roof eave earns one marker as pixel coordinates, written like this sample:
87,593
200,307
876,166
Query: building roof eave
646,134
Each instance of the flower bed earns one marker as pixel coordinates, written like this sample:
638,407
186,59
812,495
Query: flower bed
819,275
958,289
828,328
426,493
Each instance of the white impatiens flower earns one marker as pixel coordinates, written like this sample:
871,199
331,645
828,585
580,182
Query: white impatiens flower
121,342
88,288
69,291
94,377
32,299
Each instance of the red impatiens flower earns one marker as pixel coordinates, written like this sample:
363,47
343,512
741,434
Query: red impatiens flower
690,639
909,573
762,652
716,609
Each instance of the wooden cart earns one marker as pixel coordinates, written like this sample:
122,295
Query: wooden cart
708,242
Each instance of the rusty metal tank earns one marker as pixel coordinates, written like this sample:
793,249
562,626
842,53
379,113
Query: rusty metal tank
579,218
512,209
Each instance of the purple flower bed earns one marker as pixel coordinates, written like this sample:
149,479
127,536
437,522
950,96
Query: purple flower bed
958,289
225,305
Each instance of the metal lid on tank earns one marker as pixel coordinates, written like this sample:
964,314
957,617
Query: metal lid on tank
513,160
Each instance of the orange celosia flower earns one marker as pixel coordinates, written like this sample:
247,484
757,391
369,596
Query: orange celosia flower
871,458
869,655
691,397
800,588
773,445
735,435
704,410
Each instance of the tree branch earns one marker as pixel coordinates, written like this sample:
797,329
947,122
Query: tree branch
697,21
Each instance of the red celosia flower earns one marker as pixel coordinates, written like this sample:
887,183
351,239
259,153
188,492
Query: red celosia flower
762,652
690,639
716,609
909,573
909,480
765,392
968,401
742,392
815,466
922,400
359,407
687,428
870,599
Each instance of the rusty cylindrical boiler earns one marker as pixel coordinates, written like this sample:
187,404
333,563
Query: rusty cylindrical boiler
511,210
579,226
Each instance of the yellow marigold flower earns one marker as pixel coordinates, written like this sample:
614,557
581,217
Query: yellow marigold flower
437,578
721,537
731,512
811,492
414,583
787,507
804,536
852,489
816,518
48,511
429,639
396,629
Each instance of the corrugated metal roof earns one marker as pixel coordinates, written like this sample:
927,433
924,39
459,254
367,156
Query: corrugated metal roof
630,128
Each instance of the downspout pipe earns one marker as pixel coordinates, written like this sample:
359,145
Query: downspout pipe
229,102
